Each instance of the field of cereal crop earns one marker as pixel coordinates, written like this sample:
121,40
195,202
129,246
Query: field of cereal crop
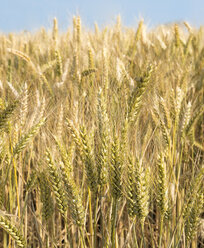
102,139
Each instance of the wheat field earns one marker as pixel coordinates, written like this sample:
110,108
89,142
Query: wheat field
102,139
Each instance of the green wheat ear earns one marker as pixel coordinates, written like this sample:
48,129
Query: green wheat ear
31,181
45,196
115,170
135,100
141,191
64,155
76,136
12,231
9,71
162,191
56,183
73,197
88,72
192,192
88,160
193,120
2,193
130,190
6,113
166,113
25,139
103,130
164,130
193,218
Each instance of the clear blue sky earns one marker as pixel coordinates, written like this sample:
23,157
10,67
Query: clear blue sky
17,15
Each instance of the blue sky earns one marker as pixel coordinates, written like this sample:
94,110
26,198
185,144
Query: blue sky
17,15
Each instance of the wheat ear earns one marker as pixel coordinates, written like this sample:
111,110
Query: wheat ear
115,185
6,113
135,100
64,155
162,191
76,136
58,63
104,139
88,160
56,184
45,195
177,35
24,106
12,231
164,130
73,197
192,219
198,113
130,189
115,170
25,139
55,31
141,192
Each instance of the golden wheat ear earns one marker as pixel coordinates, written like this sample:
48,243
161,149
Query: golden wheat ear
55,30
177,35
